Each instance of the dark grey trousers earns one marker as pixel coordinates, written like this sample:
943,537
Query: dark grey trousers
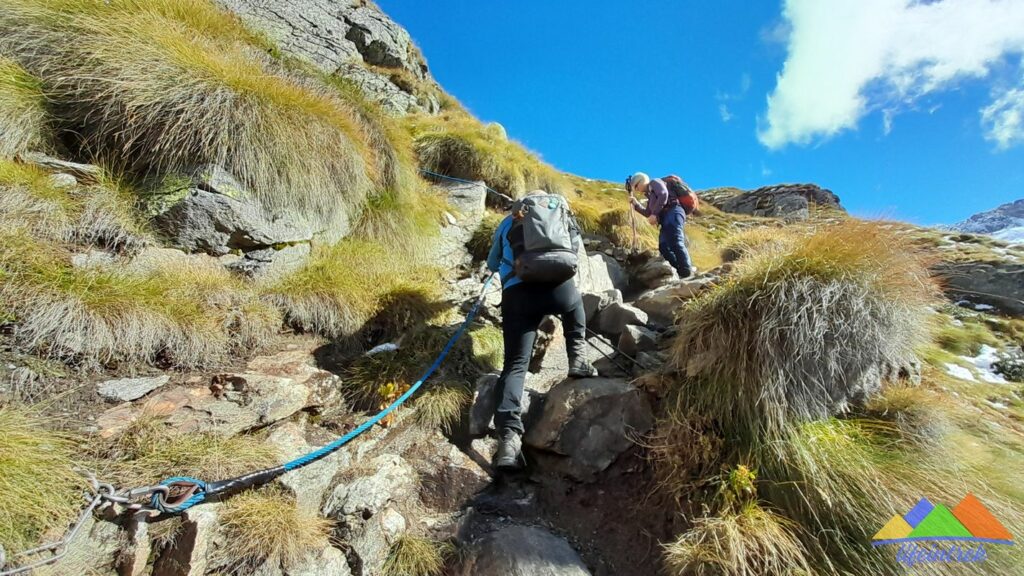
523,307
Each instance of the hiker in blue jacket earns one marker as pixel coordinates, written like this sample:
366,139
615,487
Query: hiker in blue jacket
663,209
523,306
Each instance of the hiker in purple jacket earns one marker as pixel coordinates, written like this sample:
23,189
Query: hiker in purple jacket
663,209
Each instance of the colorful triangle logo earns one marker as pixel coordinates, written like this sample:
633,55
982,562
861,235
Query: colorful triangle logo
970,520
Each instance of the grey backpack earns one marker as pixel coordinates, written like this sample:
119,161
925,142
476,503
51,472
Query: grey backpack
544,239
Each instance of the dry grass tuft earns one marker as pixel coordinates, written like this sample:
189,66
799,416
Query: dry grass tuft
415,556
265,525
24,125
749,542
441,406
759,239
797,335
39,490
187,315
149,450
479,244
456,144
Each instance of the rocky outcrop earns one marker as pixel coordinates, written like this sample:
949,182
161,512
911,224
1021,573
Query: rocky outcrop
588,423
344,38
219,217
522,551
789,201
467,201
614,318
271,389
998,284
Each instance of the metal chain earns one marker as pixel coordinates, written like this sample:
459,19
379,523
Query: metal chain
102,495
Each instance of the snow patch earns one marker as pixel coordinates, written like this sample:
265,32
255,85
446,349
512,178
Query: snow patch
958,371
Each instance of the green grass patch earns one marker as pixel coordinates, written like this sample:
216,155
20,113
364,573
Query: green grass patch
441,406
458,145
416,556
24,123
39,489
343,286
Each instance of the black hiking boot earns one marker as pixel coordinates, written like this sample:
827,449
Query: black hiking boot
580,368
510,451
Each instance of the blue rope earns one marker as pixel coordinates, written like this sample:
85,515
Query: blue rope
203,489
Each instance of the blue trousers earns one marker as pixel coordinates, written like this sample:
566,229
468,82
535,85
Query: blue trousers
672,243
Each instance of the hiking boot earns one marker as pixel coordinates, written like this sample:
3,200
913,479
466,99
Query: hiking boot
692,272
580,368
510,451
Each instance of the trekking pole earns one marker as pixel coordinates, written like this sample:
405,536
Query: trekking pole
632,216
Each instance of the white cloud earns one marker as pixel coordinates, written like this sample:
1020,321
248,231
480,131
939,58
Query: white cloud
847,58
1003,120
723,111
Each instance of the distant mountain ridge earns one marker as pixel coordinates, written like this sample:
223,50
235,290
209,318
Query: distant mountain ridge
1005,222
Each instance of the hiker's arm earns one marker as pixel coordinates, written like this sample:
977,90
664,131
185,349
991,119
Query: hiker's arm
494,256
657,198
638,206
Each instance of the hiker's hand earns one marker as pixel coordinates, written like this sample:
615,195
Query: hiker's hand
653,220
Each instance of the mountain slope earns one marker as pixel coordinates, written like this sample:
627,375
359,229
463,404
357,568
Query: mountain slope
1005,223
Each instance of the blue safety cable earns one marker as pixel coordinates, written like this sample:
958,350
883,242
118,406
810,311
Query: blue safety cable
203,490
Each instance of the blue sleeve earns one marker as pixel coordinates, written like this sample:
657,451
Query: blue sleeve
494,257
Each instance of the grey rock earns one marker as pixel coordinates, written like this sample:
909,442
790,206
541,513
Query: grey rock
789,201
468,200
63,180
213,178
484,403
998,284
94,551
594,303
195,545
594,275
133,557
128,389
329,561
82,173
371,540
654,273
522,551
661,304
270,263
392,479
590,422
311,482
616,316
383,90
93,259
217,224
635,339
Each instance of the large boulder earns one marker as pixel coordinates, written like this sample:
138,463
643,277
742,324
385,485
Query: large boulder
790,201
218,224
352,39
654,273
467,200
998,284
636,339
596,302
588,423
599,273
614,318
661,304
522,551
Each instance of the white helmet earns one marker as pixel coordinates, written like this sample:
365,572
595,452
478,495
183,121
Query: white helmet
638,182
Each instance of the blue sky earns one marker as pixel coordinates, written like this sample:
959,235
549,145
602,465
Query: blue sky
906,110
